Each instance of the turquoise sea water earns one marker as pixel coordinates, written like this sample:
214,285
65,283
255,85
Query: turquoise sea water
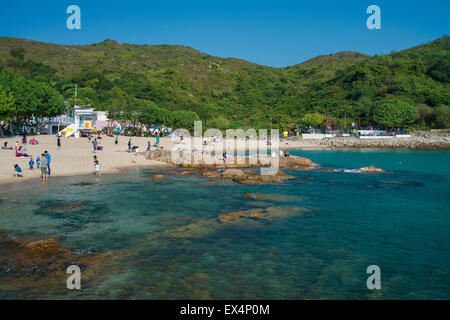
332,225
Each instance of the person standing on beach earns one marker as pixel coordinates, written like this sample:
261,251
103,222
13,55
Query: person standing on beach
94,144
58,143
44,167
48,157
38,162
129,144
31,164
116,141
97,168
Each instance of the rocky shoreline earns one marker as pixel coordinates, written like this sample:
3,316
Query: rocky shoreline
418,140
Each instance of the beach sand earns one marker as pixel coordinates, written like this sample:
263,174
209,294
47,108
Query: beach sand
76,155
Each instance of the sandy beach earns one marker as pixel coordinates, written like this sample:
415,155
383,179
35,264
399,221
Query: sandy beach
76,155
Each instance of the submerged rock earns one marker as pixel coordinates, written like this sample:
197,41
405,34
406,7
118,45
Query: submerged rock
271,197
202,228
371,169
64,207
158,177
256,178
268,213
82,184
41,265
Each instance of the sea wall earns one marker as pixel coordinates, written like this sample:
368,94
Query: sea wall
418,140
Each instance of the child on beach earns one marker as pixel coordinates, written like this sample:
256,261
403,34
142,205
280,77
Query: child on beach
44,168
17,171
38,162
31,164
97,168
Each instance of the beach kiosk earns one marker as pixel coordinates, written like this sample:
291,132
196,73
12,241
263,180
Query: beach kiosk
84,121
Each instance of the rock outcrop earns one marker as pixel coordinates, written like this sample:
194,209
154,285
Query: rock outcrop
371,169
291,162
294,162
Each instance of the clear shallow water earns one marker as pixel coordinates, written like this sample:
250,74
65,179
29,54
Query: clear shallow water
176,248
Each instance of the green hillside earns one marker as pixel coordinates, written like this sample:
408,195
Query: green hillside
230,93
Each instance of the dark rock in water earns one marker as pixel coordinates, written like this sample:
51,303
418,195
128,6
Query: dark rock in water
41,265
1,202
272,197
256,178
82,183
75,215
65,207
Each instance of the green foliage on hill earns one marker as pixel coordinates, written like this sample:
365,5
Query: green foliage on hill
232,93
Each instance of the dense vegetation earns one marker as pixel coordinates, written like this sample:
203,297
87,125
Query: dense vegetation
410,88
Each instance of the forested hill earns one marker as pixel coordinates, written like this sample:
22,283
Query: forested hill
227,92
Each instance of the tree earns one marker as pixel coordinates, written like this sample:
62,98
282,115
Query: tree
425,113
314,120
443,116
151,115
220,122
49,104
32,100
6,107
184,119
394,113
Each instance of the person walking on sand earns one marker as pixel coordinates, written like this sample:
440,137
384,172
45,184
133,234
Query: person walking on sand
58,143
44,167
116,141
49,159
94,145
130,144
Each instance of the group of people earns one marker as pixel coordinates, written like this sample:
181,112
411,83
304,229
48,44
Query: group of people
131,147
42,162
96,145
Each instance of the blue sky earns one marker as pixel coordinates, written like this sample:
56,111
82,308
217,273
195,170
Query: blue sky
275,33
